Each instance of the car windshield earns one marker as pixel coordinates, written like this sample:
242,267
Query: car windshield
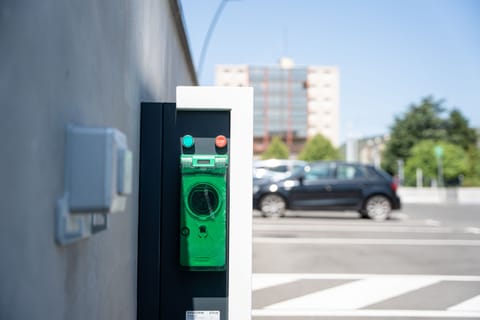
277,169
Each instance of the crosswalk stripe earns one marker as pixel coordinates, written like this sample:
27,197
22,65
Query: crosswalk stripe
472,304
261,282
432,314
356,294
290,277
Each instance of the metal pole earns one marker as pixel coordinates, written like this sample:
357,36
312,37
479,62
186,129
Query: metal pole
400,171
209,35
440,171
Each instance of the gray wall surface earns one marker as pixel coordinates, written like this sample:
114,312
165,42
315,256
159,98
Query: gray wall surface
89,63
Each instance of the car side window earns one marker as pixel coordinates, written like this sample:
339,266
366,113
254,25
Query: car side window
280,168
319,172
298,169
350,172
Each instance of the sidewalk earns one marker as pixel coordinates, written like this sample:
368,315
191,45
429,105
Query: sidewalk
440,195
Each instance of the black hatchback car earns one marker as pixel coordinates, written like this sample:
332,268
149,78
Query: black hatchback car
330,185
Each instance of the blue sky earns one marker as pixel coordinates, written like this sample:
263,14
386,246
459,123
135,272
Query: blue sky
389,53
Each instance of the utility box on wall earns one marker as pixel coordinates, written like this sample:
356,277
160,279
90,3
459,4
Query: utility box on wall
195,223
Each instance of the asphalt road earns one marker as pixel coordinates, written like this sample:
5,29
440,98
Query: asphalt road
424,263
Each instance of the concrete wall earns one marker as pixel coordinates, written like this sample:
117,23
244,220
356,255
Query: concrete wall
90,63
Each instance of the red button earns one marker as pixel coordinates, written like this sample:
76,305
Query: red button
220,141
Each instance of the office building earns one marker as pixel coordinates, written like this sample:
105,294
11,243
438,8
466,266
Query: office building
293,102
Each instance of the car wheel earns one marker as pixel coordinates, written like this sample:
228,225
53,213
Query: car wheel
272,205
378,208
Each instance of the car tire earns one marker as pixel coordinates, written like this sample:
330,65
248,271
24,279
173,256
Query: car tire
272,205
377,208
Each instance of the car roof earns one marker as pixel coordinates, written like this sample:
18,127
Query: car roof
277,162
340,162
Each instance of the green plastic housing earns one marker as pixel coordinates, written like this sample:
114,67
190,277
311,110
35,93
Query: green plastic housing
203,212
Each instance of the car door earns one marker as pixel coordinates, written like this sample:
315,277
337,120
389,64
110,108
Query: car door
314,191
347,190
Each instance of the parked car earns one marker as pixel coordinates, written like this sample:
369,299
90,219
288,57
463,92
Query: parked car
330,185
275,169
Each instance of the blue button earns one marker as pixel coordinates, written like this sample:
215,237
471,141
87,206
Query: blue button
188,141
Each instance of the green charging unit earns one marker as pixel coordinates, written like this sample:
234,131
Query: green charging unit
203,204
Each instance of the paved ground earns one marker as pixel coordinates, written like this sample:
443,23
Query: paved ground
422,264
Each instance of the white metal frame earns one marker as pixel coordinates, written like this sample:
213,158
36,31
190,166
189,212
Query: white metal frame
239,101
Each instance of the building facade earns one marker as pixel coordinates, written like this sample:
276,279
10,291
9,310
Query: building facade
366,150
293,102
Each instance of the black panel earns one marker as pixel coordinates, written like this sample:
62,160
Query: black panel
150,188
179,287
164,290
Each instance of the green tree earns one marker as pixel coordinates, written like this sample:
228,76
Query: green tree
319,148
276,150
459,132
472,178
421,122
454,162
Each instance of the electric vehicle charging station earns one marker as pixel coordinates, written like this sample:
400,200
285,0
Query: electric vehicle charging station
203,203
195,215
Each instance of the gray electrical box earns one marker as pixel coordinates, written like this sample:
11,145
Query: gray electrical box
98,179
99,170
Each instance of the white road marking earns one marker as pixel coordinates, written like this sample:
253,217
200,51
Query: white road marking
371,282
355,295
364,313
472,304
366,241
473,230
433,223
290,277
381,229
270,280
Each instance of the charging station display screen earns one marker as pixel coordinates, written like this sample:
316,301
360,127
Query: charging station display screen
203,161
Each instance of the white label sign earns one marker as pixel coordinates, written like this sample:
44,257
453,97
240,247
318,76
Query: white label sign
202,315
